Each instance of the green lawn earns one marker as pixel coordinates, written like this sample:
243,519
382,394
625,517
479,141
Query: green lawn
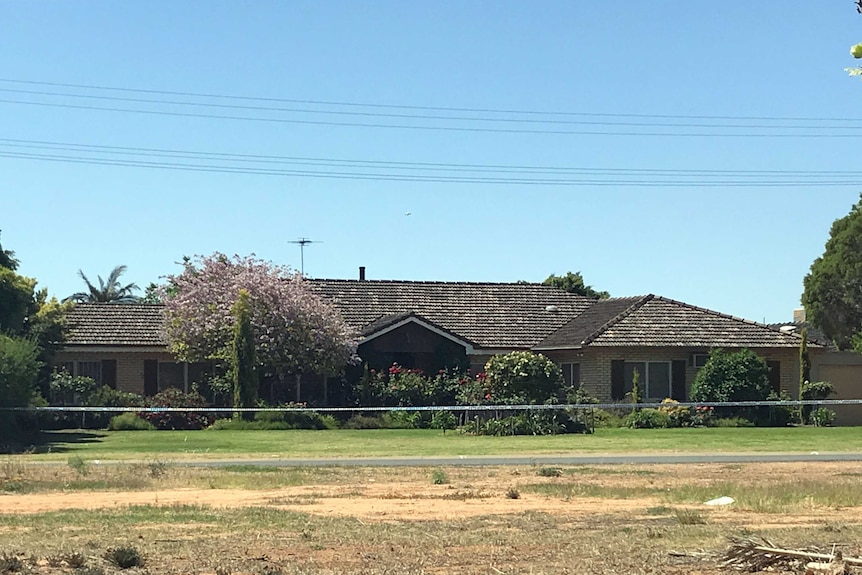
225,444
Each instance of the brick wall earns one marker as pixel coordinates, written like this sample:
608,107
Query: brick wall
596,364
130,365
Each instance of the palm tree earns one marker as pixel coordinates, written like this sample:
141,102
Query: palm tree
109,291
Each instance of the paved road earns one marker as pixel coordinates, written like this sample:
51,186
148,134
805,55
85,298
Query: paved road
603,459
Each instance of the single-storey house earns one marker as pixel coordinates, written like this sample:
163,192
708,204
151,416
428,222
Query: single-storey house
599,344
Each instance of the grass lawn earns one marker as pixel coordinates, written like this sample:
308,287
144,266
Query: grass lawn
224,444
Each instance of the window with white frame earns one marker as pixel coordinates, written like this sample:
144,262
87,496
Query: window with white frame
571,374
654,379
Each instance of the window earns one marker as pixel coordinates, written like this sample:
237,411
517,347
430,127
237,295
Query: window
171,375
698,360
91,369
653,378
571,374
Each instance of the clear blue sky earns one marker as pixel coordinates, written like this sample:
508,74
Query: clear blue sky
739,249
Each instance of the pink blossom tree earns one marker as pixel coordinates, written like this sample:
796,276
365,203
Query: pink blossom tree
295,331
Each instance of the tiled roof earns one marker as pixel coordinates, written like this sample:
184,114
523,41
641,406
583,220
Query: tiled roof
492,315
115,324
660,322
589,323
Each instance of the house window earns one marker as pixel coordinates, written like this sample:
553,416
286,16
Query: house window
653,379
91,369
698,360
172,375
571,374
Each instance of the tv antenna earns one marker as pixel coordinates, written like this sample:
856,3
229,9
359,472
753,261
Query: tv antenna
302,243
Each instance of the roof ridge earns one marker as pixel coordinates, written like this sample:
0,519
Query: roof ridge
640,301
435,282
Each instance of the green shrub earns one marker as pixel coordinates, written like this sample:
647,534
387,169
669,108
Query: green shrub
439,477
608,419
528,423
731,422
822,417
173,397
400,420
647,419
129,421
813,390
363,422
677,416
780,415
443,420
523,377
19,367
732,376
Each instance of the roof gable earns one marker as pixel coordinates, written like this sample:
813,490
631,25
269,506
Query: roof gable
390,323
590,323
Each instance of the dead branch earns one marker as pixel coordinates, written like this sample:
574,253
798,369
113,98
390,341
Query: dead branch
757,555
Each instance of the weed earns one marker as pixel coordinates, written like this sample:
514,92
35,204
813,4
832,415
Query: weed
689,517
659,510
10,563
439,477
124,557
513,493
75,560
157,469
80,465
91,570
550,472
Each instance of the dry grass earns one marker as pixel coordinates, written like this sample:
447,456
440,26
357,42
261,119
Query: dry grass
589,524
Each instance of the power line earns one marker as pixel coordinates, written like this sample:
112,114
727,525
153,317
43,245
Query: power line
429,116
389,164
431,128
429,108
427,179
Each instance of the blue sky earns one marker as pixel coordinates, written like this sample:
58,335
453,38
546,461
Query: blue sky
683,233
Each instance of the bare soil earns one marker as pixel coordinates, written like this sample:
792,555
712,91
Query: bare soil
531,533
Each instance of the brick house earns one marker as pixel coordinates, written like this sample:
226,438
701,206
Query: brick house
599,344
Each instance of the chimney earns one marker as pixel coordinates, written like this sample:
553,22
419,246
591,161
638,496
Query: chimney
799,315
362,273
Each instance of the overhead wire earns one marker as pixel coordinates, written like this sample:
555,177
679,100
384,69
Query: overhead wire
217,163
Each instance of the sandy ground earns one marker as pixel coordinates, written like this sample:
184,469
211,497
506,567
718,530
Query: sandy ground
409,495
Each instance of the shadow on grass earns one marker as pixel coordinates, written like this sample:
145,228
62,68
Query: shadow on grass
48,442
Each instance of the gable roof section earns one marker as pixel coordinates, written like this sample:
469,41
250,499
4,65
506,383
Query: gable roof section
662,322
590,323
115,324
491,315
385,324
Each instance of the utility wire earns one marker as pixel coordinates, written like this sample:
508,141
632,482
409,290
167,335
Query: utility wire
417,178
431,128
427,108
402,116
393,165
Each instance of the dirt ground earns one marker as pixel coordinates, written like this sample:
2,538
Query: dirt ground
409,495
405,497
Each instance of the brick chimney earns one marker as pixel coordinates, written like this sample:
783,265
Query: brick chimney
799,315
362,273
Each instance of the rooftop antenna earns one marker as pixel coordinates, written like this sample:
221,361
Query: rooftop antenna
302,243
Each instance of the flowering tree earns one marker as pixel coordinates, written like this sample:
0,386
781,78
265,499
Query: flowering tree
295,332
